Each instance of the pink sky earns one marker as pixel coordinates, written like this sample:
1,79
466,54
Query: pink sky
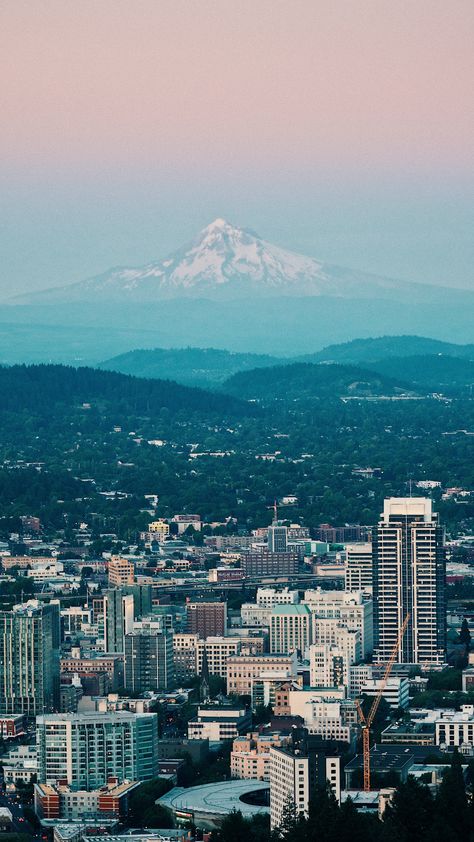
186,84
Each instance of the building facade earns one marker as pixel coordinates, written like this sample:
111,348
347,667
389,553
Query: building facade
85,750
29,659
409,580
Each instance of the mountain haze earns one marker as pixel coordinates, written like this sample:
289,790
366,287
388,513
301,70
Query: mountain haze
225,261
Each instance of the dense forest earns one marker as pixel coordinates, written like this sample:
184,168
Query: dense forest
86,445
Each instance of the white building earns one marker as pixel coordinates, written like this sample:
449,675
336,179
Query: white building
409,579
396,691
268,597
243,670
290,780
290,628
219,722
329,663
456,728
359,567
253,614
352,610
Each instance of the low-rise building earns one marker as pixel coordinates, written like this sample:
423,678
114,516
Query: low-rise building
219,722
242,670
250,755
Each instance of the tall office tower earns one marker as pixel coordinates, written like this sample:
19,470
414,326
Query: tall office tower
277,539
206,619
149,663
84,750
121,607
29,659
409,578
359,567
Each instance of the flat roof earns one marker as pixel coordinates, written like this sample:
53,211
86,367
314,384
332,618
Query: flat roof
215,799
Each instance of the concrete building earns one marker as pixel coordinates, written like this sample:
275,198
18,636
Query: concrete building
396,691
329,663
121,607
265,563
250,755
159,531
243,670
206,619
121,571
149,662
29,658
353,611
219,722
268,597
185,648
294,773
59,803
290,628
409,579
277,537
456,728
85,750
359,567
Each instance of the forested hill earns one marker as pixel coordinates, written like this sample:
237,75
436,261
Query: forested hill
436,372
202,367
362,351
299,381
42,388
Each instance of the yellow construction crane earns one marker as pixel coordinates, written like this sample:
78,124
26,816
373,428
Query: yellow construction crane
366,721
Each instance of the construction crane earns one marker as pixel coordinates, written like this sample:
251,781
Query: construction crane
366,721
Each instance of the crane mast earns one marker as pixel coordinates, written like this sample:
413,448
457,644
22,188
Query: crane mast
366,721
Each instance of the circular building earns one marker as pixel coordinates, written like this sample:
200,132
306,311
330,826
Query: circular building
206,806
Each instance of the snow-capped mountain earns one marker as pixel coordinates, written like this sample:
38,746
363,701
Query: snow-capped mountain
224,261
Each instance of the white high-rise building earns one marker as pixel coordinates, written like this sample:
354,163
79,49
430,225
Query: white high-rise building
409,579
294,774
290,628
359,567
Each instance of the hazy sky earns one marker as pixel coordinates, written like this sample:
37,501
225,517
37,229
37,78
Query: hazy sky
340,128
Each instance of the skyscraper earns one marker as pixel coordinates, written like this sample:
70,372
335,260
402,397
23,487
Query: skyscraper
149,663
409,578
121,607
29,659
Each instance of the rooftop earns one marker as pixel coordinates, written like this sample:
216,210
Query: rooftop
217,798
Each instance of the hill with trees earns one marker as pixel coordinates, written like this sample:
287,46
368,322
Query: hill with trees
300,381
192,366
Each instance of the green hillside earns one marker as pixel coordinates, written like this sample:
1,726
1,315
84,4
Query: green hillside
361,351
300,381
192,366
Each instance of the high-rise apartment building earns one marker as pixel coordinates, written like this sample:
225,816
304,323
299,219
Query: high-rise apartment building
359,567
29,659
149,662
294,773
86,750
206,619
409,579
121,607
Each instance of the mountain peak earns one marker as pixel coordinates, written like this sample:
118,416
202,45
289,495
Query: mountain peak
223,260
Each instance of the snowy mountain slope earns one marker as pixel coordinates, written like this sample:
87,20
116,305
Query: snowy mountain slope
225,261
